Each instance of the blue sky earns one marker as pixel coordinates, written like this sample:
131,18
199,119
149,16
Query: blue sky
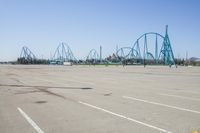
86,24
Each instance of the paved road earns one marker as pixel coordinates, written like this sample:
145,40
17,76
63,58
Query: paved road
114,99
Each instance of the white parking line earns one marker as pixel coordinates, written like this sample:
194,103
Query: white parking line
124,117
196,99
160,104
33,124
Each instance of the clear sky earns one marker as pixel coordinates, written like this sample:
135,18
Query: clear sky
86,24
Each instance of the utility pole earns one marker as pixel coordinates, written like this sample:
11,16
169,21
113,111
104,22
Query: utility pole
186,60
100,54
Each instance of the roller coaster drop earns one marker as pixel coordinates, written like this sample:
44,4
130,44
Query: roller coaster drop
139,53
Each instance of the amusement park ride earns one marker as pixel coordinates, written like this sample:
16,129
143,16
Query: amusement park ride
141,52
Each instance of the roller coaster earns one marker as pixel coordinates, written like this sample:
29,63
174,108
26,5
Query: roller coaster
140,53
149,48
63,54
93,57
27,54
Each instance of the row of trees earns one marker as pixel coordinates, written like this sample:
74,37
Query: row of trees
32,61
113,60
188,62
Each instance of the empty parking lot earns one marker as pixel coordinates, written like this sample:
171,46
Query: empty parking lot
99,99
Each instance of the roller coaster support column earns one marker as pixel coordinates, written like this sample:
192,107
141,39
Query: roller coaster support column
145,48
167,50
156,50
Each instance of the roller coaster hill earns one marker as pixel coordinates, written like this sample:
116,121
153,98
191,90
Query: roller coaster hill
150,48
27,57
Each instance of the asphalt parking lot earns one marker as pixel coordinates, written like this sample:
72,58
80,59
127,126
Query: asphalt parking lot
99,99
